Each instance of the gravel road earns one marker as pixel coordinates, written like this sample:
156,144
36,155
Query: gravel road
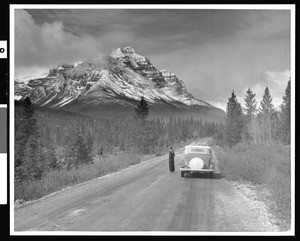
145,197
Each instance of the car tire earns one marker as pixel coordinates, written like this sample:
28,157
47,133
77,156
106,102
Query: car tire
182,174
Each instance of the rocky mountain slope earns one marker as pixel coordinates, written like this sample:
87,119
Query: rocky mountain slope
112,84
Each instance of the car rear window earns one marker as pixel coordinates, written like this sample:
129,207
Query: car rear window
199,150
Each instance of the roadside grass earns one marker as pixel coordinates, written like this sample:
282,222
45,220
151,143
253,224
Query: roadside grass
263,164
56,180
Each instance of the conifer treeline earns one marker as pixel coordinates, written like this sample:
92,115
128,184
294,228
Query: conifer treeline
257,125
65,141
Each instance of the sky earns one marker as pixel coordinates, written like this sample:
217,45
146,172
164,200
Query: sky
214,51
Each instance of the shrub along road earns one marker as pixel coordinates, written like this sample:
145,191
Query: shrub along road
145,197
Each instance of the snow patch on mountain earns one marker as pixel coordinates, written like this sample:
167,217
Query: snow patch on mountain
23,79
129,53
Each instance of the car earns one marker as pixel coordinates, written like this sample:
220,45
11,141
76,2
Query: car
197,158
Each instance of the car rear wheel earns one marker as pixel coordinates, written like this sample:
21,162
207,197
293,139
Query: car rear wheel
182,174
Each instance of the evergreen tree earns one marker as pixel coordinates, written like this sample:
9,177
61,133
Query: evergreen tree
266,106
23,130
50,157
275,125
34,159
28,151
29,119
250,111
142,129
142,110
219,135
285,115
20,143
251,105
84,143
151,135
267,116
234,121
78,149
200,128
185,132
146,134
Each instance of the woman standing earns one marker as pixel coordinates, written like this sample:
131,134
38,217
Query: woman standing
171,160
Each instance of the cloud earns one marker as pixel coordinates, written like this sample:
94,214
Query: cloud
49,44
236,62
220,105
217,69
44,45
275,81
276,78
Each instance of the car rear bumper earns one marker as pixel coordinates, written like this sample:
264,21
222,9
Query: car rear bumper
184,169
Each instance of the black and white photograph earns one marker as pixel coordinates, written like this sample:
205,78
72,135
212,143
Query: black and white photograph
152,119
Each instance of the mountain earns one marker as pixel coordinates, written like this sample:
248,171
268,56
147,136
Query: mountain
112,85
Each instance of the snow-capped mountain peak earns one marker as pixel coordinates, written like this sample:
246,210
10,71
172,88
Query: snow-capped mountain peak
128,54
126,51
120,78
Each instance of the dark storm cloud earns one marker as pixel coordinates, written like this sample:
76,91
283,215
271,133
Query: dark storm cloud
166,27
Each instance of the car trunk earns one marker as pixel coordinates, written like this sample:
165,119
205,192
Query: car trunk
204,157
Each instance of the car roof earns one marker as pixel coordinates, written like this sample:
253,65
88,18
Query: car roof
197,146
